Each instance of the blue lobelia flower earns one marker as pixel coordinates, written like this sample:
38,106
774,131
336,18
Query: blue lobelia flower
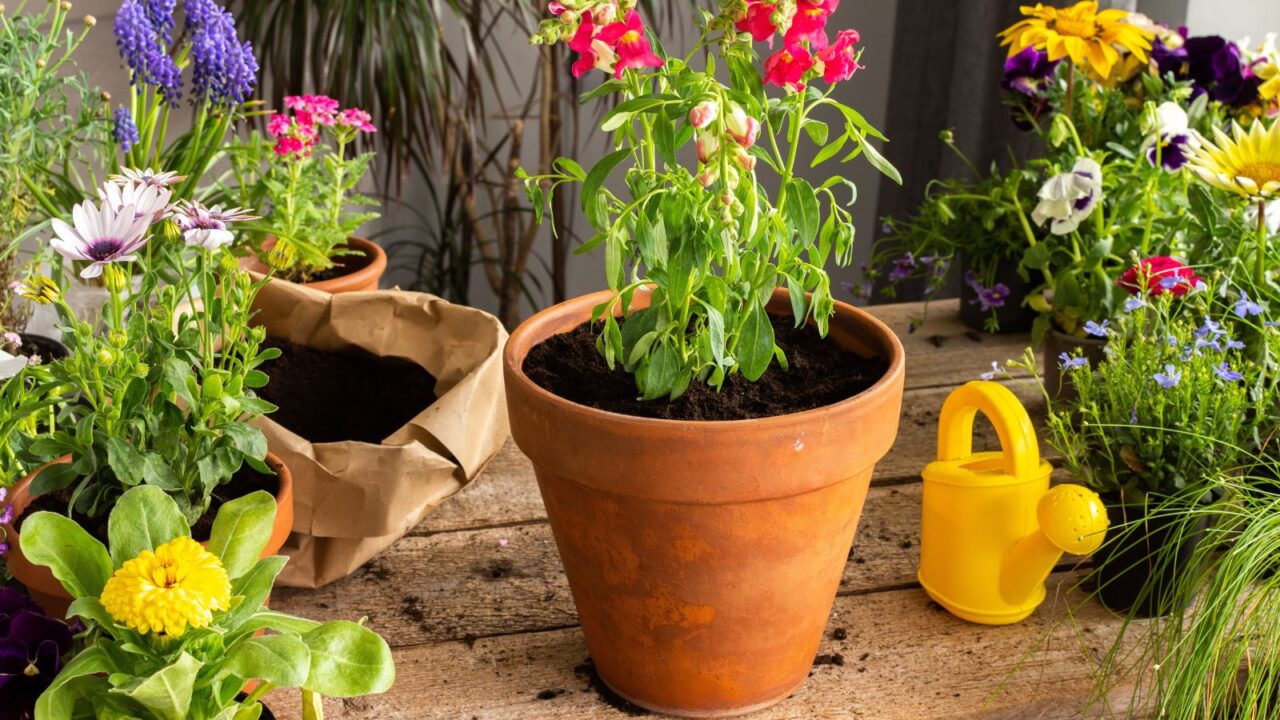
1169,378
1134,303
996,371
1232,345
1210,328
1245,307
1225,372
1066,362
123,130
1096,329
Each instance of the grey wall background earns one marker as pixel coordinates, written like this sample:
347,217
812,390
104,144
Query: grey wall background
937,88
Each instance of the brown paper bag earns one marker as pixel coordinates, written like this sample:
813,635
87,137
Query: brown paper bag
354,499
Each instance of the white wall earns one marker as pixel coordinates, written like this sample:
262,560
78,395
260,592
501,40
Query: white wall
1234,19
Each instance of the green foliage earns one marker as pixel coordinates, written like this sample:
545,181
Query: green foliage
198,675
162,397
309,199
710,248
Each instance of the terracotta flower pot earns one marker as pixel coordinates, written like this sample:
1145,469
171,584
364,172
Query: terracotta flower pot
1058,342
45,588
360,272
704,557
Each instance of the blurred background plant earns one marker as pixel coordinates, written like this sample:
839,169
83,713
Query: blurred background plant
443,78
52,119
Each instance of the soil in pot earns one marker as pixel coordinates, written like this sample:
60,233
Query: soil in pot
332,396
1137,570
47,349
821,373
342,265
242,483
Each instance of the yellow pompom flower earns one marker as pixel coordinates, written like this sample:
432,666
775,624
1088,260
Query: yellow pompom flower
1246,163
1089,37
164,592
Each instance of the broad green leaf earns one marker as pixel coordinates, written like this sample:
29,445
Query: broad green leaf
59,700
53,478
348,660
755,345
282,660
252,588
829,151
168,691
156,471
657,377
798,300
125,461
817,131
76,559
144,518
802,209
716,335
177,375
241,531
247,439
90,608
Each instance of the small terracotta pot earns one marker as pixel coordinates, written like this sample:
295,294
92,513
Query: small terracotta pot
704,557
361,272
49,593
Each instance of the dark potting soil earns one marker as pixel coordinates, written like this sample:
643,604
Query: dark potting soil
245,481
821,373
345,395
342,265
47,349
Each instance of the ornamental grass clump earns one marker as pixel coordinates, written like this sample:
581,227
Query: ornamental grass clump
703,237
163,395
302,170
176,630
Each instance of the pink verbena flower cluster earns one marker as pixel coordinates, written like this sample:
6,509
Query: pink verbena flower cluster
298,132
807,52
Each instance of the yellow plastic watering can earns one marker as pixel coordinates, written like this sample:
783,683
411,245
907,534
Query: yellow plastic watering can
992,530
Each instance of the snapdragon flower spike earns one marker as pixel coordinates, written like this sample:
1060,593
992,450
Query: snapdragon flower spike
758,21
205,227
787,67
100,235
123,129
839,60
628,39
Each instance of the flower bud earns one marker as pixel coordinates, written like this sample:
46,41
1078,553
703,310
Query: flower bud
39,290
282,256
90,21
40,63
64,6
745,159
114,278
704,113
744,128
726,200
141,369
228,264
106,96
104,357
119,340
708,144
708,176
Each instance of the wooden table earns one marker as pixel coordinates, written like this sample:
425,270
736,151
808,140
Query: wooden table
476,606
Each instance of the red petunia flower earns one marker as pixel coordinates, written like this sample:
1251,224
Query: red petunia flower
1159,275
786,68
839,60
810,23
632,45
758,21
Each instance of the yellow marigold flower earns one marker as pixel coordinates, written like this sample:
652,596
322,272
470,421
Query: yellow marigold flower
164,592
1088,36
1247,162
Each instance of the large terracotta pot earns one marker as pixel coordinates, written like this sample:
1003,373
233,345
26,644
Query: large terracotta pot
704,557
361,272
45,588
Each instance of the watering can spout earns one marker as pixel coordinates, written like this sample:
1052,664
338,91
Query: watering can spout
1072,519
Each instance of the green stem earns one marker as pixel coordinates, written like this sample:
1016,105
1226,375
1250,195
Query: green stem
1260,264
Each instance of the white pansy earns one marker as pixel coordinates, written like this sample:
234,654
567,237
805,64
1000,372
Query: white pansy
1069,198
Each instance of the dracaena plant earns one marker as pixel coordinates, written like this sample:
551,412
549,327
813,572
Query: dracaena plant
163,394
303,170
708,240
176,630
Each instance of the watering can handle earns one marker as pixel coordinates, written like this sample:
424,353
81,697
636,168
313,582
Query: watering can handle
1006,413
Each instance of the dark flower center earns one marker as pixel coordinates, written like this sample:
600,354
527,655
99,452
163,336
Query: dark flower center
105,248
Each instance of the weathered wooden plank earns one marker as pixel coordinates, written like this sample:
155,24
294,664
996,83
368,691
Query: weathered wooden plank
898,656
507,492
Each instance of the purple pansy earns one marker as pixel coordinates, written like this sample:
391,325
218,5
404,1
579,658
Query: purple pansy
33,649
1245,307
1027,74
1169,378
1172,151
1214,66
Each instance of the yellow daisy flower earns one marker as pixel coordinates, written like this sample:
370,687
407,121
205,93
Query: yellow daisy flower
180,585
1247,162
1092,39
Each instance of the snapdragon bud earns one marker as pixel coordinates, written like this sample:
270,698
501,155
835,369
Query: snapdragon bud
707,145
704,113
708,175
745,159
744,128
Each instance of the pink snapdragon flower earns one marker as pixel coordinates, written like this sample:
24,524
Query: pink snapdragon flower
759,21
632,45
787,67
704,113
744,128
810,23
592,53
839,60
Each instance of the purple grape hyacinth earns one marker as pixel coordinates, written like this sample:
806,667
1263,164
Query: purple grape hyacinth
138,40
224,70
123,130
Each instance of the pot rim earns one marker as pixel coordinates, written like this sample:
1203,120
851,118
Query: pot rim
513,357
376,266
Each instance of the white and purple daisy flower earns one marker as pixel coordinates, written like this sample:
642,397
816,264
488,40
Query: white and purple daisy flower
149,201
101,235
206,227
1069,198
146,177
